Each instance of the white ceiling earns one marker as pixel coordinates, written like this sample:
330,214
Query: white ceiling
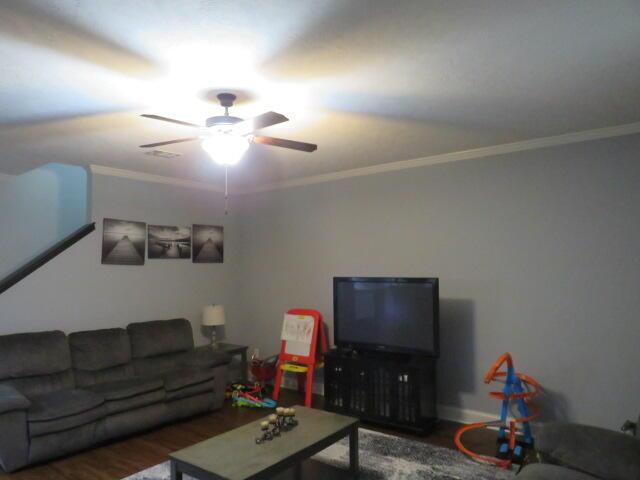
370,82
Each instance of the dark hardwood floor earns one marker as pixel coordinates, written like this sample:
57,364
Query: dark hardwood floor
121,458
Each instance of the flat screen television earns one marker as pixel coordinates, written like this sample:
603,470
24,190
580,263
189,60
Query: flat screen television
398,315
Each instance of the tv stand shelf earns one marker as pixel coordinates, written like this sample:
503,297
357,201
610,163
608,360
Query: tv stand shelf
391,389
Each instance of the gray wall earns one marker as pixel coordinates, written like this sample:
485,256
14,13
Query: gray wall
76,292
537,254
39,208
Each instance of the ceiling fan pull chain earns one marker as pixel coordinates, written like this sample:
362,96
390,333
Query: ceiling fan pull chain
226,191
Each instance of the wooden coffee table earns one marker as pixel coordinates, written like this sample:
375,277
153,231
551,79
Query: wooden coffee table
234,455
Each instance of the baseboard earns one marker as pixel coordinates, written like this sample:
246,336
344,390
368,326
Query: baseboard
445,412
463,415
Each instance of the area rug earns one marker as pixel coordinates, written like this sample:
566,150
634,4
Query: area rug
385,456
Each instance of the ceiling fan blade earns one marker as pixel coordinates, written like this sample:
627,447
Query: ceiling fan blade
261,121
172,120
281,142
169,142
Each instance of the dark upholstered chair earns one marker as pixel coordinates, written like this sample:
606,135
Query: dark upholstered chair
578,452
61,394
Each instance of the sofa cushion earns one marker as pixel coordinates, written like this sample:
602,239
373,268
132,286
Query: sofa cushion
205,357
542,471
186,377
155,366
192,390
136,402
202,358
63,403
597,451
126,395
188,382
100,349
126,388
159,337
31,354
62,410
86,378
40,384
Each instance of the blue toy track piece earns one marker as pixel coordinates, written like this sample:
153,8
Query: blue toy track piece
269,403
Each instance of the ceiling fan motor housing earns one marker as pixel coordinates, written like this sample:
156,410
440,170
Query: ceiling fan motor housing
222,120
226,99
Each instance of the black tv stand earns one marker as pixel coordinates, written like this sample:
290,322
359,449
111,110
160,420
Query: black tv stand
396,390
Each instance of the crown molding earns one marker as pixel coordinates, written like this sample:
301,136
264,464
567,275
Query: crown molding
149,177
544,142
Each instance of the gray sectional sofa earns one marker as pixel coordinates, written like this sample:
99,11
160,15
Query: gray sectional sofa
60,394
569,451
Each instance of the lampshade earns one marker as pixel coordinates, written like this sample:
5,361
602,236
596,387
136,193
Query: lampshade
213,315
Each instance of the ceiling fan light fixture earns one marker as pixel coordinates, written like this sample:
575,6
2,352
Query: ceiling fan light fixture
225,148
226,138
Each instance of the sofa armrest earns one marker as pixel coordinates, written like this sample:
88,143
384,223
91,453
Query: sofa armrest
220,386
14,440
543,471
205,357
11,400
603,453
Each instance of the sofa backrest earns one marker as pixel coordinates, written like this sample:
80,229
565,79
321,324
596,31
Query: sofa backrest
101,356
159,345
36,363
159,337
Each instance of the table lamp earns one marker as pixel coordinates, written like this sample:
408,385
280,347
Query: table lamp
213,316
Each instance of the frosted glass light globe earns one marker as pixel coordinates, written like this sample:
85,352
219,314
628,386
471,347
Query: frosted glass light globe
224,148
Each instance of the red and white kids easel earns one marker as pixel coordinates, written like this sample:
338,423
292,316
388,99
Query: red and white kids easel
302,331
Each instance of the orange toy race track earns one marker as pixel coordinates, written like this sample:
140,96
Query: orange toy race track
518,389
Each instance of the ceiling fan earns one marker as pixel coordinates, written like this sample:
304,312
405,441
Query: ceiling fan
226,138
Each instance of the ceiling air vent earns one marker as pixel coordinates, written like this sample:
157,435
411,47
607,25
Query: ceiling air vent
162,154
